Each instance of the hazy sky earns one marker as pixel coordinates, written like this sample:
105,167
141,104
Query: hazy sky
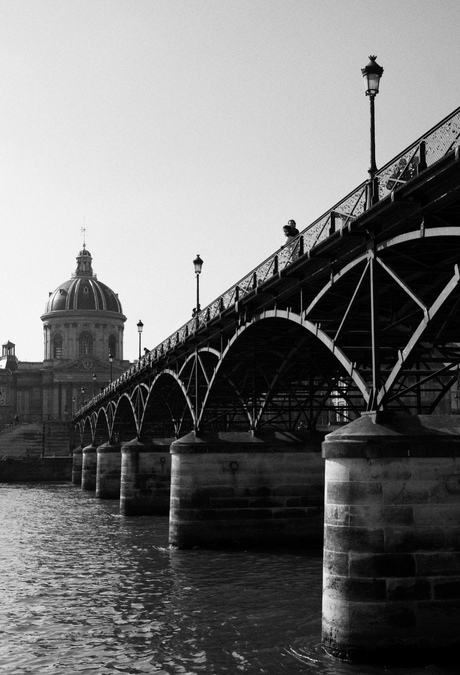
174,127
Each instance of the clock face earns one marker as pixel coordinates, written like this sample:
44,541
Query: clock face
87,364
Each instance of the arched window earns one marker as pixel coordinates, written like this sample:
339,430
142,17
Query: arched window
57,346
113,346
85,344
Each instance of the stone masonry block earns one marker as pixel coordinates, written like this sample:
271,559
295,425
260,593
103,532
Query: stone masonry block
214,514
358,539
437,468
294,502
311,500
426,515
367,619
400,616
446,491
446,589
180,503
289,513
337,514
335,563
337,470
382,469
267,503
442,564
292,490
453,538
410,590
382,565
335,614
358,492
230,503
259,514
183,515
440,620
379,515
355,589
410,540
202,497
402,492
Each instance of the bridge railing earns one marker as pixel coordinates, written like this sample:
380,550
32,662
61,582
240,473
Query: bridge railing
432,146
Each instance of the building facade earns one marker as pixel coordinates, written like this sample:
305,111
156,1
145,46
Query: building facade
83,326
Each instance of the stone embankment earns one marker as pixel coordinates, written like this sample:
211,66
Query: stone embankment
35,452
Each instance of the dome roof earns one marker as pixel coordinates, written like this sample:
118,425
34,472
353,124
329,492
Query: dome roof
83,291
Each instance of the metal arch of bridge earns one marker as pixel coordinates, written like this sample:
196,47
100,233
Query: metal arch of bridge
428,308
372,304
190,394
123,418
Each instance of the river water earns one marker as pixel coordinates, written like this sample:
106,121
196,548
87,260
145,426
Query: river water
85,590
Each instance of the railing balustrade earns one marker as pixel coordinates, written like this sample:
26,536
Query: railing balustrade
439,141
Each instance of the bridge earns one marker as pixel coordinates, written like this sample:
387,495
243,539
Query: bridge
352,326
357,313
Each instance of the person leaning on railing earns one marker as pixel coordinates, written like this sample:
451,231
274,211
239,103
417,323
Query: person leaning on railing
290,231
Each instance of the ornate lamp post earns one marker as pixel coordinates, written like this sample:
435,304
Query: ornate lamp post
111,364
198,263
140,327
372,74
94,383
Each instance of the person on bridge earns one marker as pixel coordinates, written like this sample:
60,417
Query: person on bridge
290,231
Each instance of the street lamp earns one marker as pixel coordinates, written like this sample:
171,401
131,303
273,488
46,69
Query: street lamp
94,383
140,327
372,74
198,265
111,364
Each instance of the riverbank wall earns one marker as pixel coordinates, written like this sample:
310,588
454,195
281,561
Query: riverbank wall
42,469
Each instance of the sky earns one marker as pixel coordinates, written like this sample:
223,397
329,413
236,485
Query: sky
171,128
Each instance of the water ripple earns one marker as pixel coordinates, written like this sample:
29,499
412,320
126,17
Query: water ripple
84,590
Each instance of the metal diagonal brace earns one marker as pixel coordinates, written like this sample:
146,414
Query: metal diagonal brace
428,315
353,298
401,283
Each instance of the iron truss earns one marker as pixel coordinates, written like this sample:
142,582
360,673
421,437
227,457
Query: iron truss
366,318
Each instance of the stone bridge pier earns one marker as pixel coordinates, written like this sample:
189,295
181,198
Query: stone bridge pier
145,477
88,467
392,538
108,471
236,489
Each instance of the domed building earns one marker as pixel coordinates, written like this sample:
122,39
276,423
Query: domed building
83,319
83,326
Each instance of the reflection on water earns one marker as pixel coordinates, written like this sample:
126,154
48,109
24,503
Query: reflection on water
85,590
